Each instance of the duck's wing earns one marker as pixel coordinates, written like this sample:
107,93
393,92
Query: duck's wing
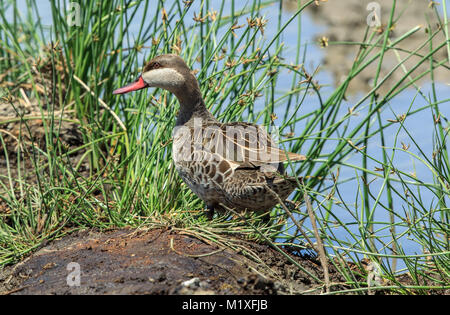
247,145
242,145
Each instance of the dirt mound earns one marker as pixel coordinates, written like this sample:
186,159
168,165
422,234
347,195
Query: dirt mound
158,261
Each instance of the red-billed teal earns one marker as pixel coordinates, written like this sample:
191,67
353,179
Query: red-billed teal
232,164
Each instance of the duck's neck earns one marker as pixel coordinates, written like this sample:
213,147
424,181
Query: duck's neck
191,105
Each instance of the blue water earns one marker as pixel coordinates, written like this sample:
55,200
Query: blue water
419,126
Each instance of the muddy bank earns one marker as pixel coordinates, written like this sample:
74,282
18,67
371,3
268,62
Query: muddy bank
346,21
158,261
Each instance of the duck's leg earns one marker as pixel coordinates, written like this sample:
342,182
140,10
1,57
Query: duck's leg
209,212
266,217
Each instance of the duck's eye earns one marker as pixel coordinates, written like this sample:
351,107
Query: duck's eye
151,66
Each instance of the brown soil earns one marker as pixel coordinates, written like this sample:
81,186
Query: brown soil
165,261
158,261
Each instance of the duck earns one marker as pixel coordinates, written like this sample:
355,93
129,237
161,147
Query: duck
233,166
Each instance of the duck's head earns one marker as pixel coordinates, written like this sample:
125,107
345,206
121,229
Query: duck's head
168,72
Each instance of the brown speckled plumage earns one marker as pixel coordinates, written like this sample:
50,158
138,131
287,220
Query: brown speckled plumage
232,164
232,177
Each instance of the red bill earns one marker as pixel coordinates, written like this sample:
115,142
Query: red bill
137,85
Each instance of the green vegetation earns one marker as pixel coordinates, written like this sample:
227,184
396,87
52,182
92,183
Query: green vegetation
120,172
